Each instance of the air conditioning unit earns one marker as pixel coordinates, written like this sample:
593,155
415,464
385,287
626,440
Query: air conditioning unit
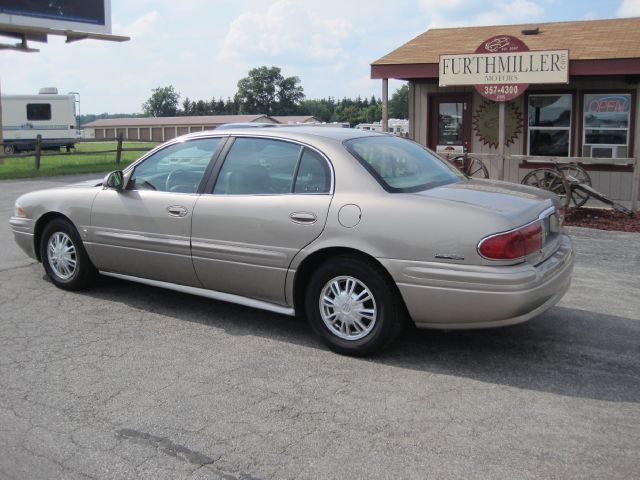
603,152
618,153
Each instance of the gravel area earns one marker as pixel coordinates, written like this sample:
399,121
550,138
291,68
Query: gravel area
602,219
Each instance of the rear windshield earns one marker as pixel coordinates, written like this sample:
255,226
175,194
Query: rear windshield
400,165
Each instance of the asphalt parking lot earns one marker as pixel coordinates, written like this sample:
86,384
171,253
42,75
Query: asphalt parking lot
130,381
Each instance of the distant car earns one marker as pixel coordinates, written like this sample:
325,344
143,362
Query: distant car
235,126
355,230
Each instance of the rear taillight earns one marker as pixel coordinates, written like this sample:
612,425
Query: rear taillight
514,244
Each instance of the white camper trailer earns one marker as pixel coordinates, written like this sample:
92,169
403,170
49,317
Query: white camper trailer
24,117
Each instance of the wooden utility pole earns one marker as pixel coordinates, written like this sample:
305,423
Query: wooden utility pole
501,136
38,151
119,149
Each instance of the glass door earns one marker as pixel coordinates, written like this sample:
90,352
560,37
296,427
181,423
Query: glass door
450,125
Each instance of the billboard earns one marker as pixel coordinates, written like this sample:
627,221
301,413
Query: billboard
93,16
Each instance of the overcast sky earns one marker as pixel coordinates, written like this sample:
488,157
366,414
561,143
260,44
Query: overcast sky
203,47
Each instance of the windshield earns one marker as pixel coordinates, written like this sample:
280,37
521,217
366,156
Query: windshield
400,165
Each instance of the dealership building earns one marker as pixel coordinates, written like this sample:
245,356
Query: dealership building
521,96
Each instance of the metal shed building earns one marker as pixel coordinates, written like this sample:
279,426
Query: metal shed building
160,129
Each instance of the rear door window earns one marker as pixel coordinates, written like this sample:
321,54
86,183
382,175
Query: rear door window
258,166
314,175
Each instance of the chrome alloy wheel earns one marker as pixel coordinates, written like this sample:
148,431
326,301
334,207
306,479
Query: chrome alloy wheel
348,308
61,255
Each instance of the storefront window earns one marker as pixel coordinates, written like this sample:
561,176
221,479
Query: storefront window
549,125
606,125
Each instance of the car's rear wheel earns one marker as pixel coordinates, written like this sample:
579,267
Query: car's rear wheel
353,306
63,256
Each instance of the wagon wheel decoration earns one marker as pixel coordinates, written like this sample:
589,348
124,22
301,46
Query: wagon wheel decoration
471,166
575,174
549,179
485,123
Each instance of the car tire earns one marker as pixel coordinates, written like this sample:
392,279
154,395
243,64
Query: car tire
352,304
64,258
9,149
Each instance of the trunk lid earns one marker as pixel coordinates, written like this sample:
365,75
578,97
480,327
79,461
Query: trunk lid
521,204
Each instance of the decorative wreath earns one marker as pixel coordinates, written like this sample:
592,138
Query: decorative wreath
485,123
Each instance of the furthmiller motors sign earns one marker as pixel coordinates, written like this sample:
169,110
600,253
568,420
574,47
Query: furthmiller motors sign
503,67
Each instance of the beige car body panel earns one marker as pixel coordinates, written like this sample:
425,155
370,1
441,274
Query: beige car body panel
73,201
135,233
245,247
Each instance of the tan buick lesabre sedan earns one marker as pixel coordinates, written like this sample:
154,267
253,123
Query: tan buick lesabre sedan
357,231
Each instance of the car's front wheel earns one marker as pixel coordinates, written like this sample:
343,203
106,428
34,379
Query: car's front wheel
353,306
63,256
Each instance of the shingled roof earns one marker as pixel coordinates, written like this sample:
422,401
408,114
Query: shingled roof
587,41
213,120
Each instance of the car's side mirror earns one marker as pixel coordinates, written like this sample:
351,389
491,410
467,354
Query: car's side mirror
114,180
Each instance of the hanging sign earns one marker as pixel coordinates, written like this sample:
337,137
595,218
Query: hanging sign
503,67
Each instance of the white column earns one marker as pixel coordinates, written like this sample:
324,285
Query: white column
412,111
385,104
635,187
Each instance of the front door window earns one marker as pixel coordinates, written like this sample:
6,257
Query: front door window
450,120
178,168
450,123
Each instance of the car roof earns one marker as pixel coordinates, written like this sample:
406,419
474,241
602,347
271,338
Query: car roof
231,126
293,133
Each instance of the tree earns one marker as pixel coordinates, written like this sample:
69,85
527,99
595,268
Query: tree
201,108
399,103
265,90
231,106
290,94
216,106
163,102
320,109
351,113
187,107
374,113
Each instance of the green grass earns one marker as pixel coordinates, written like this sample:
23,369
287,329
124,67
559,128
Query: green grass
88,162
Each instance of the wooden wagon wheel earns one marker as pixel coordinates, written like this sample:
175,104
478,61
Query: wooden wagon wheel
471,166
549,179
575,173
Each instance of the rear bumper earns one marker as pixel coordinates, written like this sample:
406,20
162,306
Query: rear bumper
448,296
22,229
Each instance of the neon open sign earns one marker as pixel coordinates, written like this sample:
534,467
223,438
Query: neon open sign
609,104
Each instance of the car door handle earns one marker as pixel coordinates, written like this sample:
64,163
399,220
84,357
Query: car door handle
177,211
305,218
